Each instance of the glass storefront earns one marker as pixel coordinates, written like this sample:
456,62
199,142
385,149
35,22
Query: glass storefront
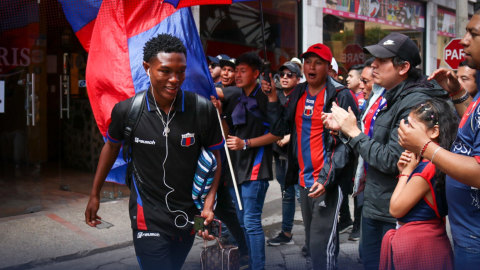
446,32
348,26
49,139
236,29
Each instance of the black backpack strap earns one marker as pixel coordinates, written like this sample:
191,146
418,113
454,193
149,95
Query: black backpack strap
131,122
201,109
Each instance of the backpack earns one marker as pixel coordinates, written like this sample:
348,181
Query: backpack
133,118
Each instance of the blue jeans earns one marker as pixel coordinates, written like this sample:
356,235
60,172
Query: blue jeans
466,258
252,196
288,200
373,231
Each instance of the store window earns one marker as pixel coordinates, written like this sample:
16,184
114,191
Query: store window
348,26
446,32
236,29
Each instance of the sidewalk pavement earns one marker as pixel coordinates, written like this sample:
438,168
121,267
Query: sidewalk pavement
60,239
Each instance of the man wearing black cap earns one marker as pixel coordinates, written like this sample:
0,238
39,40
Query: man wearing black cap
396,57
290,75
317,160
227,74
215,67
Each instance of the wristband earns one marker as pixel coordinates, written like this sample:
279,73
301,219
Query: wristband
245,144
424,148
400,175
453,94
431,160
461,99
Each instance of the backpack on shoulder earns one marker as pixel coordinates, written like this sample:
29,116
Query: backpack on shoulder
204,175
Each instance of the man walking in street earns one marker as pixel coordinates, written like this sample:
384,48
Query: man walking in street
164,157
396,57
289,79
317,159
461,162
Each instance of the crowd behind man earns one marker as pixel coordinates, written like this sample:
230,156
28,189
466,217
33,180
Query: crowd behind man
370,134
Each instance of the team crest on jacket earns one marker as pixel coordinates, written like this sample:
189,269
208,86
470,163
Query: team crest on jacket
188,139
308,110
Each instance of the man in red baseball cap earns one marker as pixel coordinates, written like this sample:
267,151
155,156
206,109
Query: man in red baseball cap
313,150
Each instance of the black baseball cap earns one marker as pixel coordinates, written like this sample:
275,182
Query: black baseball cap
217,58
396,44
292,67
227,61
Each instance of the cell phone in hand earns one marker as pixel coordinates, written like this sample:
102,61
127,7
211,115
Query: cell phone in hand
214,228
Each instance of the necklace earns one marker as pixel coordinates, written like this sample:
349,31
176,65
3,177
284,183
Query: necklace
166,129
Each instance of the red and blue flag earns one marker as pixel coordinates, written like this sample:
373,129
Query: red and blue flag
114,33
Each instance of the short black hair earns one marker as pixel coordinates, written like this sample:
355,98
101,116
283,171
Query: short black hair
357,68
463,63
412,72
252,60
162,43
369,62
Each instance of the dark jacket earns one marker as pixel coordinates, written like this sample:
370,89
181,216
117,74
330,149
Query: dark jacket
340,158
383,151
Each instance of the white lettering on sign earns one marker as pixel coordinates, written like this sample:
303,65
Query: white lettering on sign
352,58
2,96
14,56
454,54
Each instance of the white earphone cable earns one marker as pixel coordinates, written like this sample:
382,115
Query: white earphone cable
165,133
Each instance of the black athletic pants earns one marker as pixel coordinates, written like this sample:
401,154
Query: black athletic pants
346,186
155,250
320,217
226,212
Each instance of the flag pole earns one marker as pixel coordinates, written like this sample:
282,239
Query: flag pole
234,180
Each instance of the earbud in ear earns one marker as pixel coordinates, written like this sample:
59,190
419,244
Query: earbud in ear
148,72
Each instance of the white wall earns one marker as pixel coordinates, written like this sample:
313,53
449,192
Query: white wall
312,21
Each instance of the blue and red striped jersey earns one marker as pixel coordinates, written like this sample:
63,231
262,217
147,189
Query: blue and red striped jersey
311,151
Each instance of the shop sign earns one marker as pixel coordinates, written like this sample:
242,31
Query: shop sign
405,14
445,23
453,53
14,57
351,55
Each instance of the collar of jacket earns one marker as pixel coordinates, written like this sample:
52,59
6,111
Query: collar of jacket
393,94
376,92
409,86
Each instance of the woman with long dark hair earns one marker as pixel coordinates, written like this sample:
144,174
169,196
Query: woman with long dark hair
418,202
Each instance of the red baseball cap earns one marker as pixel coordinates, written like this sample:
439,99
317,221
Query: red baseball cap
321,50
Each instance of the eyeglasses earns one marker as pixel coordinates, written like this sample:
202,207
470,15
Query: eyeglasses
365,81
289,74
